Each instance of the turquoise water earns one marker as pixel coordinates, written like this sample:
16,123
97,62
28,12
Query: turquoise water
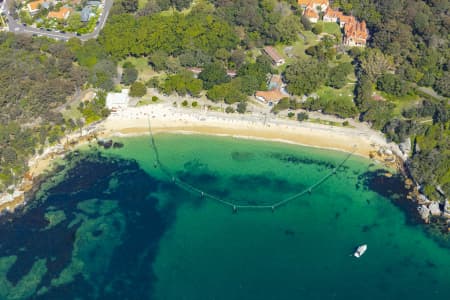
111,225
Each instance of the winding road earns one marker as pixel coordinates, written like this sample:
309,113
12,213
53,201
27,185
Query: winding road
15,26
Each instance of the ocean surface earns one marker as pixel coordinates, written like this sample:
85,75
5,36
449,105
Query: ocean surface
113,224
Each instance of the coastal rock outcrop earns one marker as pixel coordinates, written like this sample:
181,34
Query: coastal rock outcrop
434,209
405,147
424,213
446,213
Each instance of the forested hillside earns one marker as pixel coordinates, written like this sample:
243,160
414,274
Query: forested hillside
399,83
37,78
409,49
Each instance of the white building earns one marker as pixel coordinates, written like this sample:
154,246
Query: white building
117,100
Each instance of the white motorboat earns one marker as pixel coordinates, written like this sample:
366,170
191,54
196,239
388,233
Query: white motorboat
360,251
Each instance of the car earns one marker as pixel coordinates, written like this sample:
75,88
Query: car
62,31
78,34
48,29
97,23
24,24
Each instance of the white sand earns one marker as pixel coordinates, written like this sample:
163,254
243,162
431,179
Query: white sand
166,118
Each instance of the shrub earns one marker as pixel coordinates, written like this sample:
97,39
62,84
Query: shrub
317,29
138,89
242,107
185,103
291,114
392,84
154,98
345,123
194,104
302,116
229,110
152,82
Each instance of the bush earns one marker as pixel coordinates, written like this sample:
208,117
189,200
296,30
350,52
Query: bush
152,82
138,89
194,104
229,110
129,75
302,116
185,103
291,114
345,123
317,29
154,98
242,107
306,23
392,84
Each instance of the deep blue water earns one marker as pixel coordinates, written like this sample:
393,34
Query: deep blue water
108,225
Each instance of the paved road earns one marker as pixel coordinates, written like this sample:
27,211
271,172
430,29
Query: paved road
16,27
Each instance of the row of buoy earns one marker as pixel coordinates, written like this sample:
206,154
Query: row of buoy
235,207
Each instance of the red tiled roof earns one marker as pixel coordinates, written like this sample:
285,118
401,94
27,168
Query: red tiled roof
61,14
356,31
310,13
346,19
34,5
272,53
273,95
331,13
316,2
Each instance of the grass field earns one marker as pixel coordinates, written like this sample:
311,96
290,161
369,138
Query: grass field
400,102
327,122
141,3
141,64
331,28
306,40
343,94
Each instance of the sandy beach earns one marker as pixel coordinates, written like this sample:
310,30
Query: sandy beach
166,118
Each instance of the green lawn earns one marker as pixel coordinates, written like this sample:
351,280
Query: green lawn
141,64
331,28
343,94
306,40
327,122
400,102
142,3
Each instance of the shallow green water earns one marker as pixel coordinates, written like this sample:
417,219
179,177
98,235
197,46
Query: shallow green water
112,228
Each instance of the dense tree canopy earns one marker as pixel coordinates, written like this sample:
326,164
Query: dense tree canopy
213,74
305,76
38,78
175,34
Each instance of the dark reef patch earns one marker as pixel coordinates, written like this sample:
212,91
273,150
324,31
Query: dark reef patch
301,160
242,156
87,176
392,188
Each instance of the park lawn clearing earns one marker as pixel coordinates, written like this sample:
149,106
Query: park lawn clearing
142,3
141,64
401,103
331,28
306,40
344,94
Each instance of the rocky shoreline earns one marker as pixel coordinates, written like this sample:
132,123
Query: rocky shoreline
392,155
